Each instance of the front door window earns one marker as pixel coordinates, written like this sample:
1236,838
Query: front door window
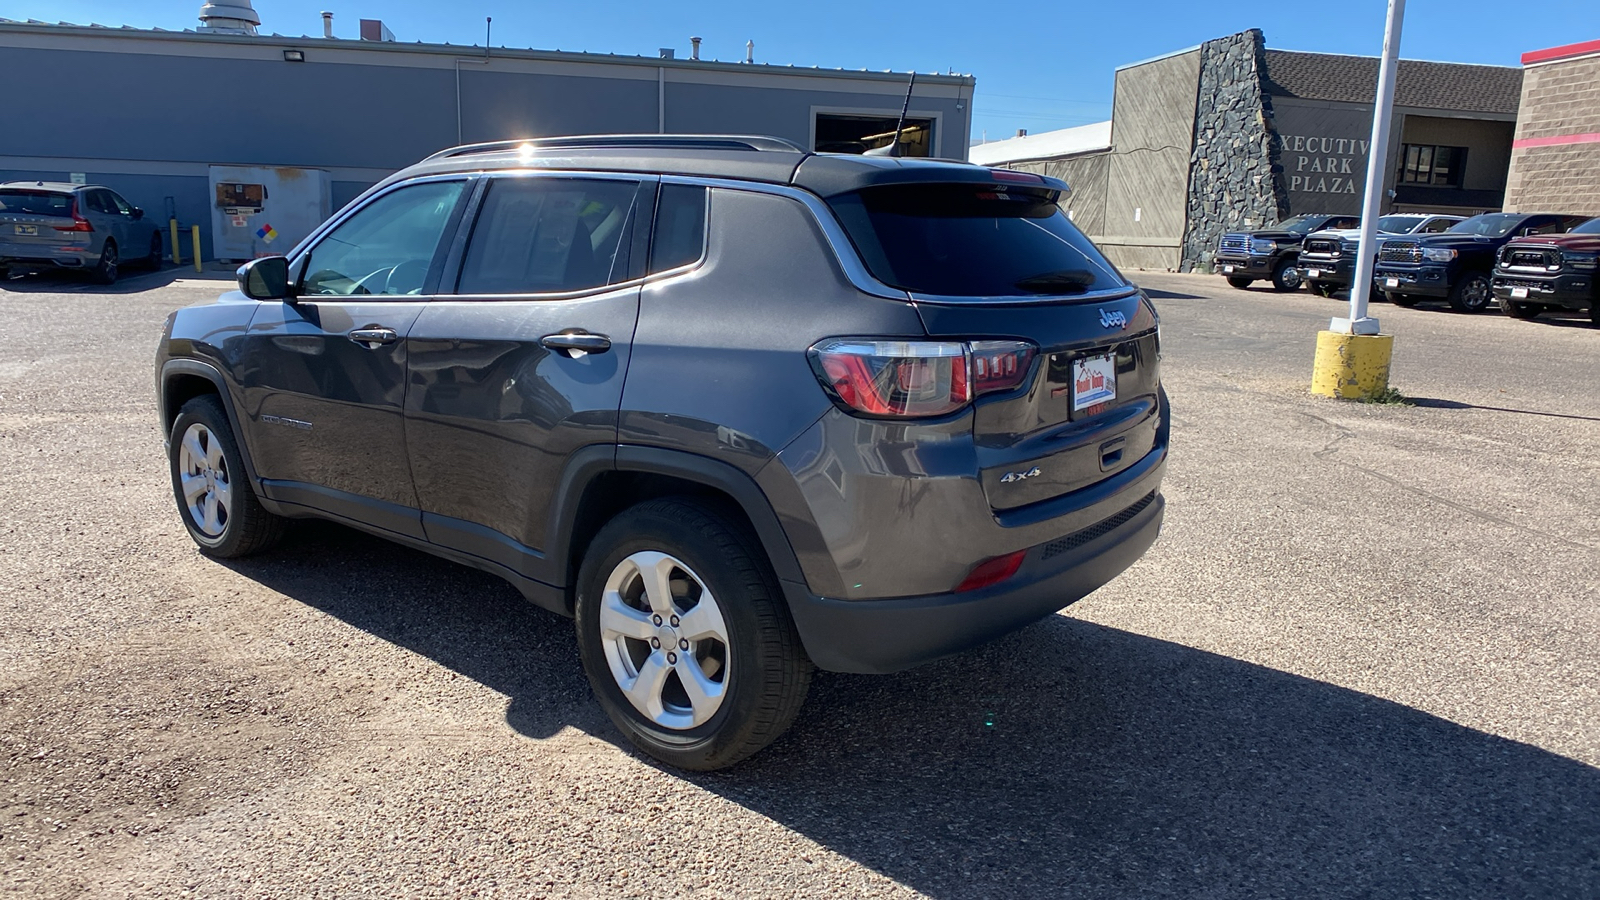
387,247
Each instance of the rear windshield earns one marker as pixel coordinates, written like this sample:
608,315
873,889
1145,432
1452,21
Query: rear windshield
35,203
964,240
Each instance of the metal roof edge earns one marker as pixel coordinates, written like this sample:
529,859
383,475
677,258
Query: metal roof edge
1145,62
303,42
1437,62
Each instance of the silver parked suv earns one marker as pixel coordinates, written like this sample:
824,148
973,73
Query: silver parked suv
49,224
738,408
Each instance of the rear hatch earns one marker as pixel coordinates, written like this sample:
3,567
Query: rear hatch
1000,262
31,221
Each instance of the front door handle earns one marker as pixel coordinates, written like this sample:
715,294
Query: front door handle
577,342
374,336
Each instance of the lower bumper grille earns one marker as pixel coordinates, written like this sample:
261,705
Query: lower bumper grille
1099,529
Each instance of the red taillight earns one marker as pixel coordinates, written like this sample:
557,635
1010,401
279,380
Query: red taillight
992,571
79,223
906,379
1015,176
999,365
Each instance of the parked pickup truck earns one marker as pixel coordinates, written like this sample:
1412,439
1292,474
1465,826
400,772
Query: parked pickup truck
1245,257
1456,265
1328,258
1539,273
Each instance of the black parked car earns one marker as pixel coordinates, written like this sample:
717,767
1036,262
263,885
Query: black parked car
738,408
1245,257
1457,265
1328,257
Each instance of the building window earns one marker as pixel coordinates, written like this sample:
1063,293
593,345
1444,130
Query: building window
858,134
1437,166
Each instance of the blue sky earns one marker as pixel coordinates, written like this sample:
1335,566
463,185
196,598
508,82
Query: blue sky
1039,66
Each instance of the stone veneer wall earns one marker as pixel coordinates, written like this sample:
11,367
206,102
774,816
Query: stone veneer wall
1236,179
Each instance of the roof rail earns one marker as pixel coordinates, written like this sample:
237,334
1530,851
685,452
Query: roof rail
627,141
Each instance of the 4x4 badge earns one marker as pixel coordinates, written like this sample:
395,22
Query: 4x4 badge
1018,476
1113,320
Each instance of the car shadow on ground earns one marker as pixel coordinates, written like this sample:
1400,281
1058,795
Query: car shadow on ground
130,281
1436,403
1069,759
1157,294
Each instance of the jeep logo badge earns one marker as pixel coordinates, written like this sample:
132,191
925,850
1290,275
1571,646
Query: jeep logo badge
1113,320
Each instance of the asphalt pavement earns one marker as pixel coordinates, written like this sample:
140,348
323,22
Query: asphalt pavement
1360,662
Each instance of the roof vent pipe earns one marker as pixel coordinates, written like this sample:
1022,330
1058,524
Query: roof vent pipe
228,17
327,24
749,51
1022,132
694,52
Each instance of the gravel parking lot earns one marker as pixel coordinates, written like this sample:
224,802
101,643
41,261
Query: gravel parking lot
1360,662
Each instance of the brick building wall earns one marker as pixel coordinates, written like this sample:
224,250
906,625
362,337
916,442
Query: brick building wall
1555,157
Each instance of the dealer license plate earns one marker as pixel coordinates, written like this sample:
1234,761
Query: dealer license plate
27,229
1391,282
1227,270
1519,293
1313,273
1094,381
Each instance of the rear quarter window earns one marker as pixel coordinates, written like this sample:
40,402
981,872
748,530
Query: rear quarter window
965,240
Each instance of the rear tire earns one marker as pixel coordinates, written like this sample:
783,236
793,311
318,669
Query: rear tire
660,687
214,497
1285,277
1240,283
1594,313
1403,300
1471,294
153,260
105,271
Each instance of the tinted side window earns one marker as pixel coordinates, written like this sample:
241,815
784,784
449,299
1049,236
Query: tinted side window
1347,222
118,204
387,246
547,235
1545,226
680,233
96,201
1436,226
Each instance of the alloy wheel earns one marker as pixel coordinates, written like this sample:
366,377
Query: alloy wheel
203,476
665,640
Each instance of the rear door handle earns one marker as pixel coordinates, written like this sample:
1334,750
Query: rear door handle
374,336
577,342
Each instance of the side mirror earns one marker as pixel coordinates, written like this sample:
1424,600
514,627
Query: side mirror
138,213
266,278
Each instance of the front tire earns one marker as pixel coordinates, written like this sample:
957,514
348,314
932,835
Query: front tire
105,271
1240,283
215,500
685,637
1286,277
1471,294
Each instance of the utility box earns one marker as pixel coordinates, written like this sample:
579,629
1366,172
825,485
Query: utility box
265,210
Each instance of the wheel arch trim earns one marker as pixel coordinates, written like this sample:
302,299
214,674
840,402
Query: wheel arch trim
171,371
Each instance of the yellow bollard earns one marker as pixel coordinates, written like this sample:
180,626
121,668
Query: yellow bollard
194,230
1352,366
177,252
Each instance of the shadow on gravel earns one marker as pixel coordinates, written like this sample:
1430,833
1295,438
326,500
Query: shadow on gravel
1069,759
131,281
1155,294
1434,403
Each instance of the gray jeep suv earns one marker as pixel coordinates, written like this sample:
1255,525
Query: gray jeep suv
738,408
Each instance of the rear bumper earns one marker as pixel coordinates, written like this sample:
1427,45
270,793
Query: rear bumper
75,256
1569,291
1424,281
880,636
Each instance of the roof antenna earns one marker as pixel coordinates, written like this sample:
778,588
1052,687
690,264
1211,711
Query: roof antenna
488,25
893,147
